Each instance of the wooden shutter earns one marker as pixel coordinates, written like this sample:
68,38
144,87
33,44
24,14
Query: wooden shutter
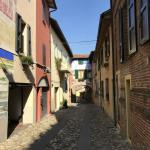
107,89
76,74
121,37
131,26
29,40
108,44
85,74
19,37
144,21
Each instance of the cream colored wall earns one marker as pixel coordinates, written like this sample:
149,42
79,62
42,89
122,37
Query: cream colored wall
7,37
27,9
106,72
7,42
29,109
7,33
58,51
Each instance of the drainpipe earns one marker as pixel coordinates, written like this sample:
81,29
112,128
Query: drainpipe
113,63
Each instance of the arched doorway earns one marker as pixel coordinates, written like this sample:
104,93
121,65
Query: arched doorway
42,98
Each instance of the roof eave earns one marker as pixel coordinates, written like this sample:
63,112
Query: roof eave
52,4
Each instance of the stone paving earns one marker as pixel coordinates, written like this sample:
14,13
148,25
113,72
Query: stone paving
83,127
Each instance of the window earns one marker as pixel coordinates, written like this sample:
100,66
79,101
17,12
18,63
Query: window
144,21
107,47
102,89
76,74
99,64
107,89
89,74
65,85
20,25
102,57
80,62
44,55
44,11
29,40
121,39
105,53
81,74
131,26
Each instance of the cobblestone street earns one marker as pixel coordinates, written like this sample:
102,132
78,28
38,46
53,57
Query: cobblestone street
82,127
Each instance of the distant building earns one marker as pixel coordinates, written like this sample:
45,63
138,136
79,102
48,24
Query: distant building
81,76
61,56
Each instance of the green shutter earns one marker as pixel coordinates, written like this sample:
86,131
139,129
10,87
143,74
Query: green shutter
76,74
85,74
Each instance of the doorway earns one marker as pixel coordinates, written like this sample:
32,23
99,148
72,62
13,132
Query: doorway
44,102
117,101
56,97
17,109
128,111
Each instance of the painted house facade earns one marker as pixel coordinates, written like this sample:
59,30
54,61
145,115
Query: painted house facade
104,68
7,58
61,56
131,43
19,71
43,59
82,75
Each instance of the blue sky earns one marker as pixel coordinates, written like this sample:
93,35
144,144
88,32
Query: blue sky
79,21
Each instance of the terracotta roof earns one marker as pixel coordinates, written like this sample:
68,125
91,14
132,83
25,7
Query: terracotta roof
81,56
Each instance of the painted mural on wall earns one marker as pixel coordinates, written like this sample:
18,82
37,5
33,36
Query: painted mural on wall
7,24
6,67
7,46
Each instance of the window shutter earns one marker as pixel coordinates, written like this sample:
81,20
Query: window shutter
85,74
18,33
76,74
107,89
29,39
121,42
66,85
131,26
108,45
144,21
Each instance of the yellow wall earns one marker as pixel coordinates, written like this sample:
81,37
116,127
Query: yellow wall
27,9
106,72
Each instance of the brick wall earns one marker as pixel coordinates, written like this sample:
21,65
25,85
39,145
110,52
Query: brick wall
138,66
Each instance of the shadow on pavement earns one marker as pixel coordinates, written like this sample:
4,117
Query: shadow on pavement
62,117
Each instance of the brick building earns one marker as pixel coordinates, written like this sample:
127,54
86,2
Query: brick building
131,34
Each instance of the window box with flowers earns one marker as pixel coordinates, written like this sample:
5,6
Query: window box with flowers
26,60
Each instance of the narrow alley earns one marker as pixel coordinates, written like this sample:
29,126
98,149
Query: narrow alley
70,129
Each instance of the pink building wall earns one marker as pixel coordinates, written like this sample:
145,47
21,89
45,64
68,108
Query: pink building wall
42,38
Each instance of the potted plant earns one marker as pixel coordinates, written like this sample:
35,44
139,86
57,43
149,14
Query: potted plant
26,60
4,67
58,63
